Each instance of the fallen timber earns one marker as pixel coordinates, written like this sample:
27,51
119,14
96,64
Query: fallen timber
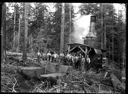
18,56
45,70
50,70
16,53
117,84
54,75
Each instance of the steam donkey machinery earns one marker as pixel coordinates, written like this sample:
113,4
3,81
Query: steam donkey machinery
91,47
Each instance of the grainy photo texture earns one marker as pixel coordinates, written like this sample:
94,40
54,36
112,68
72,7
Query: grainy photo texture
63,47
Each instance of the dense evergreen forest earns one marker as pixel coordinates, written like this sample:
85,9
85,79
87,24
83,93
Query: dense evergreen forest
40,26
44,27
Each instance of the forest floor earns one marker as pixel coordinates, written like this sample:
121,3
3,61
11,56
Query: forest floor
73,82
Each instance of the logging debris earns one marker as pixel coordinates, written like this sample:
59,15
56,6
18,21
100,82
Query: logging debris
71,82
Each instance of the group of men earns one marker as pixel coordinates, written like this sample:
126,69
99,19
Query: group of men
77,60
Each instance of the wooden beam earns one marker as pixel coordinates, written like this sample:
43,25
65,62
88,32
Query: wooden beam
72,48
83,65
82,50
89,51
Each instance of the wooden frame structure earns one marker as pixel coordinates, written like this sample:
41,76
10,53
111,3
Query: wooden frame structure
84,48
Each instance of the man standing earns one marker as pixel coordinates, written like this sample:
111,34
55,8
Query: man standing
61,57
38,56
88,65
69,59
44,56
82,63
48,56
55,57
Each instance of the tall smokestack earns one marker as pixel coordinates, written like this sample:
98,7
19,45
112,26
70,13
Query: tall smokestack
91,36
92,31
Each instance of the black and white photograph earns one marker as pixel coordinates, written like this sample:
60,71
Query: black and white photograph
59,47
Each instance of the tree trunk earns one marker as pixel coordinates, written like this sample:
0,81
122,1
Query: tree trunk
14,34
18,46
70,28
3,32
102,42
112,41
124,60
62,28
31,43
25,33
124,54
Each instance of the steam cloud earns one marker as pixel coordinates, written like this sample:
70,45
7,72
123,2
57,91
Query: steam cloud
81,29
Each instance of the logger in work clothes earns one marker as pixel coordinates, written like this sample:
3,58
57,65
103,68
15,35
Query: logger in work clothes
49,56
82,63
44,56
69,59
38,56
55,55
88,65
61,57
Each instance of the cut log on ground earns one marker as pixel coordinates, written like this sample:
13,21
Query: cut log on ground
32,71
54,75
116,83
53,68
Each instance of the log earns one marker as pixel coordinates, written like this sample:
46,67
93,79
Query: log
14,67
64,68
55,87
32,71
17,54
17,59
116,82
14,53
54,68
51,68
53,75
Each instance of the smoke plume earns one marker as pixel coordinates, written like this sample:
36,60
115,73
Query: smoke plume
81,29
